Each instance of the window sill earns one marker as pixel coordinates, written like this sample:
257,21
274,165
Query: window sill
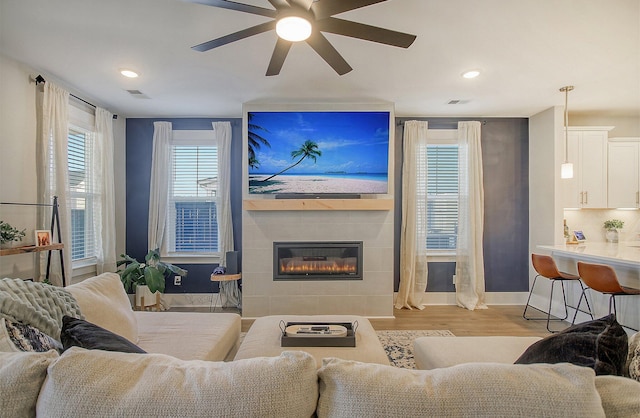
190,259
84,267
443,257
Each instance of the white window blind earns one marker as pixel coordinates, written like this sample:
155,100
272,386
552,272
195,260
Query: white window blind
442,197
193,223
82,193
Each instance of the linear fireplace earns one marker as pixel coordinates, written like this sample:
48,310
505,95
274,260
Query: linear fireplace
317,260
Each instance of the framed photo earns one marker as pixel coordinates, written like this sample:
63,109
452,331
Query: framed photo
579,236
43,237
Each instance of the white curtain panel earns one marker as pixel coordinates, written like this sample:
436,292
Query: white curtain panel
470,288
53,180
106,223
413,235
230,293
158,195
222,132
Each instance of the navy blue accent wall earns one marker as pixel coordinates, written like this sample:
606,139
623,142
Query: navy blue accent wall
139,148
505,143
505,164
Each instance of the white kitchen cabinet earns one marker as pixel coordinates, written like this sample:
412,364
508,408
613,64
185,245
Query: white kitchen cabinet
624,174
587,150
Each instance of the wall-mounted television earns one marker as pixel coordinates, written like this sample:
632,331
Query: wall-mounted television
318,153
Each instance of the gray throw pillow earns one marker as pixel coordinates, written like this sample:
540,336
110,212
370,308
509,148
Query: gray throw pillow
601,344
80,333
27,338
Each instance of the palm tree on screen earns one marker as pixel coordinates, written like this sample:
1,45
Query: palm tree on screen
308,150
253,162
255,141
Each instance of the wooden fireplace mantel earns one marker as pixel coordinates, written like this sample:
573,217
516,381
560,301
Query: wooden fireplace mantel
317,204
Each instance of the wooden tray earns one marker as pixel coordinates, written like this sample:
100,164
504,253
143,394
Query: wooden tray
320,340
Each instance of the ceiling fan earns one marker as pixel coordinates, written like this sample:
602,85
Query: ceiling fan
315,17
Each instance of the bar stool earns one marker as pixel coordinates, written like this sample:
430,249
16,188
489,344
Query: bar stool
603,279
546,267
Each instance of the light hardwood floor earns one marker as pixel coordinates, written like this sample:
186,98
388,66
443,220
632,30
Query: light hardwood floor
497,320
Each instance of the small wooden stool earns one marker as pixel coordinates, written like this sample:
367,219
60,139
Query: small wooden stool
223,278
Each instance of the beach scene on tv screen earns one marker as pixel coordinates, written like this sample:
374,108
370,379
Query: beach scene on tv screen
318,152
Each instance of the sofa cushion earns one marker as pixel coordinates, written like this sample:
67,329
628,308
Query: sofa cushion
15,336
436,352
21,376
601,344
104,302
620,396
80,333
349,388
189,335
87,383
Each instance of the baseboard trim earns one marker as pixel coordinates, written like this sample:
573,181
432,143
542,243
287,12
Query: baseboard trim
491,298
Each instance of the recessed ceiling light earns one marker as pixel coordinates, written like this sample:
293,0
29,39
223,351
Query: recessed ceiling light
471,74
129,73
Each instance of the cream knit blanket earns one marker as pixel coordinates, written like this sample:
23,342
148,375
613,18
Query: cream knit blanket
37,304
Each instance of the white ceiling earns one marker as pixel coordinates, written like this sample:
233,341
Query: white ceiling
526,50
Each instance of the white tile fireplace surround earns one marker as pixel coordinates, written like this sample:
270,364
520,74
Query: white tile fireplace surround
371,296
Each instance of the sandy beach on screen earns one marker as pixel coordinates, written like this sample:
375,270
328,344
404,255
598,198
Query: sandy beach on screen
319,184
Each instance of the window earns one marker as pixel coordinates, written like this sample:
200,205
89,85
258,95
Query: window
82,193
442,197
442,191
192,227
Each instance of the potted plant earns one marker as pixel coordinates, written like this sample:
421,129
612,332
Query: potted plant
147,278
9,234
612,226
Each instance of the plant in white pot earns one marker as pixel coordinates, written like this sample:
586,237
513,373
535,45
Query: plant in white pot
147,278
612,226
10,235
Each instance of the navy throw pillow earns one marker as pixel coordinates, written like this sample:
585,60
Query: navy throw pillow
80,333
601,344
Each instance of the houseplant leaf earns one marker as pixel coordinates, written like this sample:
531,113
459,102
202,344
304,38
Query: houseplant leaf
154,279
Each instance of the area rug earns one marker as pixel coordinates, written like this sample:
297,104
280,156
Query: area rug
399,344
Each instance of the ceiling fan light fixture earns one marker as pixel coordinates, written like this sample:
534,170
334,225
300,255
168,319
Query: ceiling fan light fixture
293,28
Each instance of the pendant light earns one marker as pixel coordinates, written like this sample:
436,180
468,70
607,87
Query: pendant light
566,170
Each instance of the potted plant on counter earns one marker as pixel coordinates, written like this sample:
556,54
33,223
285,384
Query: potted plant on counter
612,226
146,279
10,235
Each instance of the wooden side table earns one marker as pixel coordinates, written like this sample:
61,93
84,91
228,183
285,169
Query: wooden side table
223,278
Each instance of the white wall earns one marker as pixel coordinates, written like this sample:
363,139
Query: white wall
17,159
546,153
18,128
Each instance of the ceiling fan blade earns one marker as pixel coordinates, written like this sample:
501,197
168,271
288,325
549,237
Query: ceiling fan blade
240,7
277,58
323,47
366,32
303,4
325,8
279,4
236,36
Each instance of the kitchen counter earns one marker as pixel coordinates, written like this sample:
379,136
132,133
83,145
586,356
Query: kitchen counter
624,257
624,254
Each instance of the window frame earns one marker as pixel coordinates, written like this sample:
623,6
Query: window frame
189,137
441,137
81,118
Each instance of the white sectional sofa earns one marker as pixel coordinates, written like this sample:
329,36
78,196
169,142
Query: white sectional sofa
175,378
184,335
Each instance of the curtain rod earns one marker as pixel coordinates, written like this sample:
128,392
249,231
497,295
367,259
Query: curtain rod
453,123
40,79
